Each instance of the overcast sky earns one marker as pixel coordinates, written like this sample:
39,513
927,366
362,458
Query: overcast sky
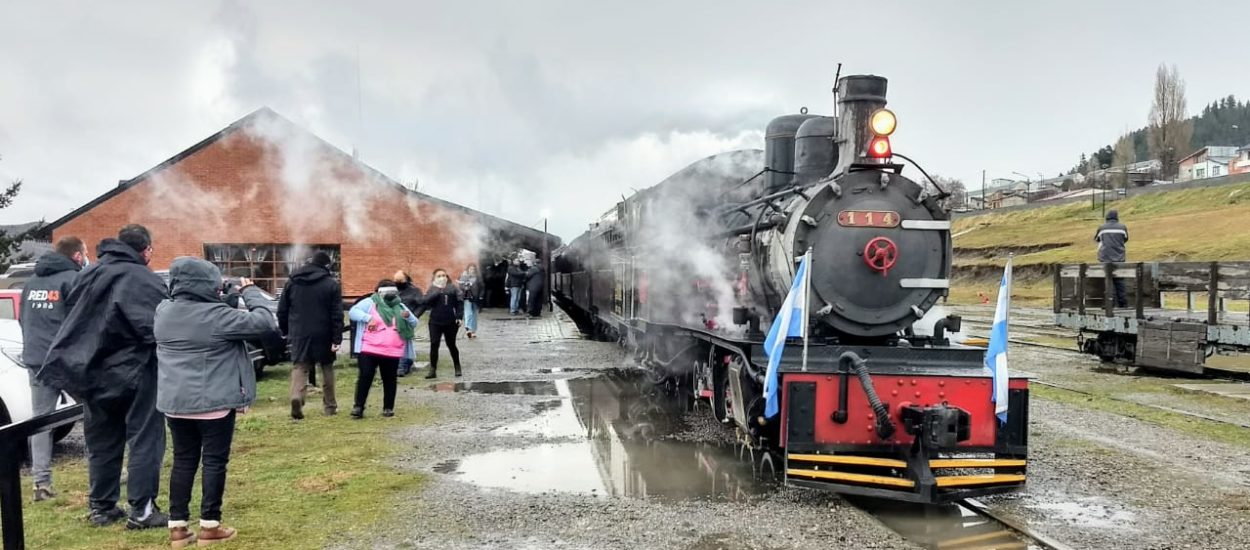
520,107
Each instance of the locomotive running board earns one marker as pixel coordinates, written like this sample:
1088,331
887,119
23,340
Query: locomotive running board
896,479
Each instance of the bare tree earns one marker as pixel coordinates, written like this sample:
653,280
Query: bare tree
1170,129
1125,154
957,189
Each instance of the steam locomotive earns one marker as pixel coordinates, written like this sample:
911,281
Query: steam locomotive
688,274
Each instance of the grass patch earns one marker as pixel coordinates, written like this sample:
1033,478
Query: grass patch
291,484
1217,431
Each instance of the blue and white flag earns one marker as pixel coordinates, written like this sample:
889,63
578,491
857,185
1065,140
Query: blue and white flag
996,351
791,320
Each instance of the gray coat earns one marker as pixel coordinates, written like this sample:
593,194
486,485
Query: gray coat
202,364
1111,238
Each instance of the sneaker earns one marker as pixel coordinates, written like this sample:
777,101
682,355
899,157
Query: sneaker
215,535
155,519
43,491
297,409
358,412
106,517
388,413
181,537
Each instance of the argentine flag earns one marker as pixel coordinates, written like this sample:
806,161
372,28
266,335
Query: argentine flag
996,351
790,321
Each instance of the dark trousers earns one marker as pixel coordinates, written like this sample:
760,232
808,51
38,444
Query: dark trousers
1121,295
370,364
111,426
448,333
196,442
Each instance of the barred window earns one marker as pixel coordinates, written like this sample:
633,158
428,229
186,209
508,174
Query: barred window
269,265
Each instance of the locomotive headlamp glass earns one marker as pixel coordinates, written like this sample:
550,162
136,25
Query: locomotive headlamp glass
882,122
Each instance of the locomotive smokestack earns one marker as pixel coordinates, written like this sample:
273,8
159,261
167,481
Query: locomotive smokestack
858,97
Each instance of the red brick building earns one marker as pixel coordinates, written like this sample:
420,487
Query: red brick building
259,196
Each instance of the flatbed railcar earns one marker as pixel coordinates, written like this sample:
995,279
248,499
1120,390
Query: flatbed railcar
1177,316
690,274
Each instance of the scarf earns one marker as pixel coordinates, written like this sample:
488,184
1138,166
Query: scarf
391,310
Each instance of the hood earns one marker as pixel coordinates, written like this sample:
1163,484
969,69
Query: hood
53,263
1113,215
113,250
194,279
309,274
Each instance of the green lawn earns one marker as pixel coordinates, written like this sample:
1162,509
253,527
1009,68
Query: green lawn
291,484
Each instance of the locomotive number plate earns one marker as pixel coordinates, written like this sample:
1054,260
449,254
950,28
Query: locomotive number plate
868,218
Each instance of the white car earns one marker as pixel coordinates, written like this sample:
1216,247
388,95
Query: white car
15,404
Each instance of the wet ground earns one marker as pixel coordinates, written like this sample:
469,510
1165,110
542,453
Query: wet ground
552,441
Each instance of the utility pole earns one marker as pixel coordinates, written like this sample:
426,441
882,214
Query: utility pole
983,190
547,269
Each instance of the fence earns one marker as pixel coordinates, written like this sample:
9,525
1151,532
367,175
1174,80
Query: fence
12,443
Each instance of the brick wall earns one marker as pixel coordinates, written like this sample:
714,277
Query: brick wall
242,189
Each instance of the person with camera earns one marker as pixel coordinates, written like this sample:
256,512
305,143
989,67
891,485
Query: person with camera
204,379
471,288
384,330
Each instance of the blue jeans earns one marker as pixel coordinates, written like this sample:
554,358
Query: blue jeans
515,295
405,366
470,316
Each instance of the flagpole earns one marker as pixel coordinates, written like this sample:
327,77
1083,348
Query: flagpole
807,307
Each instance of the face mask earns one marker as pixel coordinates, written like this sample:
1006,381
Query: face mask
85,261
441,280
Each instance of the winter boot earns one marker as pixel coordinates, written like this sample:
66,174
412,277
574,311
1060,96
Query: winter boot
213,532
179,535
433,373
458,373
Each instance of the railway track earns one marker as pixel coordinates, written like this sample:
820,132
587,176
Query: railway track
965,525
1218,374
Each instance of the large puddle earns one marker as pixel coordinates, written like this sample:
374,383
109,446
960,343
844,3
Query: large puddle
610,436
607,436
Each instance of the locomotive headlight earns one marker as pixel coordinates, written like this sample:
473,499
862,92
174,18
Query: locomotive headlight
882,122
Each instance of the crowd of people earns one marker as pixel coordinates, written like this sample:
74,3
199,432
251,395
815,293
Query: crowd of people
143,356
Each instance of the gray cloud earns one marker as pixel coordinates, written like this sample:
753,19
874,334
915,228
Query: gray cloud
518,107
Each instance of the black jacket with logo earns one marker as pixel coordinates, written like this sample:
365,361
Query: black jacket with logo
43,305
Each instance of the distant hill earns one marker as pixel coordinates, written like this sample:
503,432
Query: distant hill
1204,224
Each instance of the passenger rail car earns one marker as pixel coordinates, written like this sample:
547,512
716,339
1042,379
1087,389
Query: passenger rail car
691,273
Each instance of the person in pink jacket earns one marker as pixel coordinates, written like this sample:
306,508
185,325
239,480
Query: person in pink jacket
384,330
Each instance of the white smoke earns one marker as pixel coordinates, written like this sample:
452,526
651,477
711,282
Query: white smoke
683,261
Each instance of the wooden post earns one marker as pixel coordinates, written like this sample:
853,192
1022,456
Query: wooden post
1080,289
1213,294
1189,301
1141,292
1108,289
1058,287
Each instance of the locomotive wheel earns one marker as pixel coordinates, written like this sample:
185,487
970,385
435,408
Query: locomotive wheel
767,466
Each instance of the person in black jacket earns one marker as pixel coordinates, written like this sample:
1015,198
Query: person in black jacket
516,285
43,310
105,356
534,285
410,295
310,313
446,307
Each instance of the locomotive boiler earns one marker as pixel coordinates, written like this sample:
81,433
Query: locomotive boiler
690,274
